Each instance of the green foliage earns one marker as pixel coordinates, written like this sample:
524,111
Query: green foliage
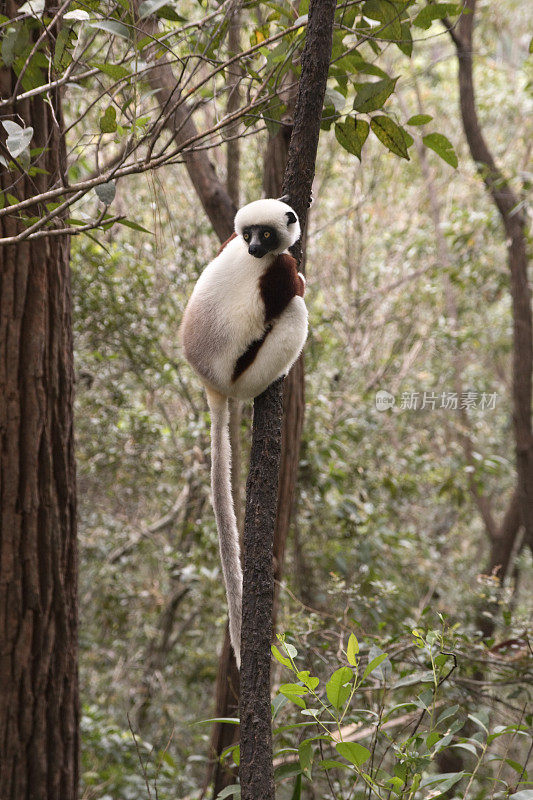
133,767
352,134
442,146
394,762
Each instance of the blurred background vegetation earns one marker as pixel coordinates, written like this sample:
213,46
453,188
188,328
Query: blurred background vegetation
386,533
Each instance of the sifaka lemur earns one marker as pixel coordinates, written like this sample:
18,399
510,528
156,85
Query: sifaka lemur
244,326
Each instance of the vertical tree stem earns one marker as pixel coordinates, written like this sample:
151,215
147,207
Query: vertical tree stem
256,769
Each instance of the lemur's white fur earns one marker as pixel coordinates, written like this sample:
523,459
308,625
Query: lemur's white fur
224,316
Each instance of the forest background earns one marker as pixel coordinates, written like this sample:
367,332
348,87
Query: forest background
406,497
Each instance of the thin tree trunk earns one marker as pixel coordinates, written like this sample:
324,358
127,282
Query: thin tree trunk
256,769
294,385
39,712
514,222
501,537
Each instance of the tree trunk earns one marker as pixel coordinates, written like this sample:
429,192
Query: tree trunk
256,768
501,537
294,385
514,222
39,710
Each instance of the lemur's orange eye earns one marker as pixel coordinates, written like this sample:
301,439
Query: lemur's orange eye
246,236
266,234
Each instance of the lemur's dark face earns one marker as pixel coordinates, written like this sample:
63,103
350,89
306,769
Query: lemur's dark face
261,239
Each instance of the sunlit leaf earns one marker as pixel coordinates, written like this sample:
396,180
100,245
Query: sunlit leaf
354,752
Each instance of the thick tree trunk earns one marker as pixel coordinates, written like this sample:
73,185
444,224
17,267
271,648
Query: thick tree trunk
256,769
39,710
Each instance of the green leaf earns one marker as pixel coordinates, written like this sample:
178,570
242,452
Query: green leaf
371,96
230,791
442,147
330,763
292,688
8,46
466,746
136,227
352,134
287,770
432,739
297,792
448,712
424,676
428,14
336,689
112,26
106,192
388,13
308,680
287,691
62,57
305,756
419,119
355,753
516,766
233,750
442,781
277,655
291,650
405,43
391,135
225,720
378,659
108,121
115,71
352,649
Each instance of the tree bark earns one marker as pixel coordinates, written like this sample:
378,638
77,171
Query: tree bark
39,711
514,222
256,769
294,385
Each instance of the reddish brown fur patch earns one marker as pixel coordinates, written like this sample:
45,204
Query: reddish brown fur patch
248,357
233,236
279,284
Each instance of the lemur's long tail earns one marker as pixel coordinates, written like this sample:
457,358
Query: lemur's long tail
228,534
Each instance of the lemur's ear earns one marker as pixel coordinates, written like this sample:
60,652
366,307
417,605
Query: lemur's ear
291,217
284,199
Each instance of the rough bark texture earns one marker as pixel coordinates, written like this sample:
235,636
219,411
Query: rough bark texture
514,222
294,386
257,777
39,711
256,769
